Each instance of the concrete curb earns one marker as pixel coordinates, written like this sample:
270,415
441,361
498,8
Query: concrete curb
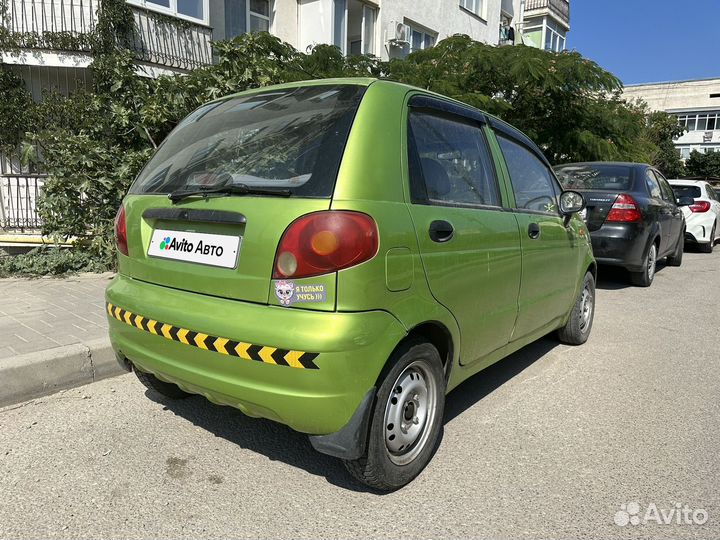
45,372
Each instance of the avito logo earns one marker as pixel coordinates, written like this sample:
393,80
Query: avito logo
202,248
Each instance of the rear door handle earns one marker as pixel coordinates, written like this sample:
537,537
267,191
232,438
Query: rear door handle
441,231
534,231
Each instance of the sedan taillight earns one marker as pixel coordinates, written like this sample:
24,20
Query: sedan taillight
624,210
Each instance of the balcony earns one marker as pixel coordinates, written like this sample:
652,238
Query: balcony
66,26
559,8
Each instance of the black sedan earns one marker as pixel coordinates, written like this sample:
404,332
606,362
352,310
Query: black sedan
632,215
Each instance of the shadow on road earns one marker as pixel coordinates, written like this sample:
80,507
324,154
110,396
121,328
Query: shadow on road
280,443
613,278
490,379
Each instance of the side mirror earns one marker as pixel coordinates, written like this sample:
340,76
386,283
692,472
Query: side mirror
571,202
685,201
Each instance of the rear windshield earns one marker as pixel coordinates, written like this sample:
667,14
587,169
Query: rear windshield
292,138
602,177
687,191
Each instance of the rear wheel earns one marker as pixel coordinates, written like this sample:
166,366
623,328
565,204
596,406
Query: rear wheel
645,277
577,329
676,258
407,419
169,390
708,248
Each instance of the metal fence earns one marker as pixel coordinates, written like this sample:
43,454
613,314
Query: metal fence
18,201
65,25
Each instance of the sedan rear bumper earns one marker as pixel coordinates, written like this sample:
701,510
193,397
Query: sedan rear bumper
620,244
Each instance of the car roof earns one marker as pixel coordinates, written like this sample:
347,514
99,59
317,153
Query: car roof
612,163
368,81
681,182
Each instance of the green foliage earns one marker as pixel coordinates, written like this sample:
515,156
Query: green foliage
47,260
662,129
93,143
705,165
15,102
566,103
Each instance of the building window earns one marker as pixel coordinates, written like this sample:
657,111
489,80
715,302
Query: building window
704,121
554,37
195,10
420,39
475,6
354,27
258,15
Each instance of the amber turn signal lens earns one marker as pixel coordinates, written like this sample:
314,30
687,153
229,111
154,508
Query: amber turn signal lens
324,243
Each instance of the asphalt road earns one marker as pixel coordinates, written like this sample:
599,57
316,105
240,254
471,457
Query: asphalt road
547,443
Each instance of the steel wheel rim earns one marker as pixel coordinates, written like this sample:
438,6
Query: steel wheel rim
586,307
651,262
410,413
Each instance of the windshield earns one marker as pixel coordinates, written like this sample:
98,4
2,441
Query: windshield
602,177
687,191
291,138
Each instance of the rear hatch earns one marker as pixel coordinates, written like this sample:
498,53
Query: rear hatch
207,212
600,184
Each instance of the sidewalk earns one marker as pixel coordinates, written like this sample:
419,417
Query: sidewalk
53,335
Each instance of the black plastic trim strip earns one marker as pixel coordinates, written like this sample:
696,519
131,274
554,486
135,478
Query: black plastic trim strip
196,215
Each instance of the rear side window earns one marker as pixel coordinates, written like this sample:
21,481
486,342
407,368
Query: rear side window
450,162
652,185
687,191
532,181
292,138
601,177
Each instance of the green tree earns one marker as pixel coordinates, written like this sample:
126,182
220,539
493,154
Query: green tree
662,130
703,165
568,104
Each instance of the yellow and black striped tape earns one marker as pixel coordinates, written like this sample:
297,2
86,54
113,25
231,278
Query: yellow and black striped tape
246,351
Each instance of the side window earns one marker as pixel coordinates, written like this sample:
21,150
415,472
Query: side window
712,193
652,184
532,182
667,191
450,161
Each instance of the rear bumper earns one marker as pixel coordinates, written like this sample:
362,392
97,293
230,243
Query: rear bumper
699,227
620,245
316,392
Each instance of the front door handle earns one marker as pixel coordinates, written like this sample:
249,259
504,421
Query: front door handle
534,231
441,231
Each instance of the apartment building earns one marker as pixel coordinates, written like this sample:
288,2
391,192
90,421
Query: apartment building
696,103
174,36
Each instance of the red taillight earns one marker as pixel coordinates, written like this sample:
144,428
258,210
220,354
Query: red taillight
700,206
325,242
121,231
624,210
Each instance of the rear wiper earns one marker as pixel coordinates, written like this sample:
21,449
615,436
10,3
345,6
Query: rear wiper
230,189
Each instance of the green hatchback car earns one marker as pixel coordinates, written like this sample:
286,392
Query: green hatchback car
337,255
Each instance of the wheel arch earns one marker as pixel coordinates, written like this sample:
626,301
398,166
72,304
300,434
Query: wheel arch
434,332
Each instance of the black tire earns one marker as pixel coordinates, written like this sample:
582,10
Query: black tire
676,258
387,469
168,390
645,277
709,246
577,330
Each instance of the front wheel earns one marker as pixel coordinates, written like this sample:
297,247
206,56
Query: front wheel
676,258
407,419
644,277
577,329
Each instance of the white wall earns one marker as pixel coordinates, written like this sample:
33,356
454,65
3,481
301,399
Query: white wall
315,23
677,96
442,17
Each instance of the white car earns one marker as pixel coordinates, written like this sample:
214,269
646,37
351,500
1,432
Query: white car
702,217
